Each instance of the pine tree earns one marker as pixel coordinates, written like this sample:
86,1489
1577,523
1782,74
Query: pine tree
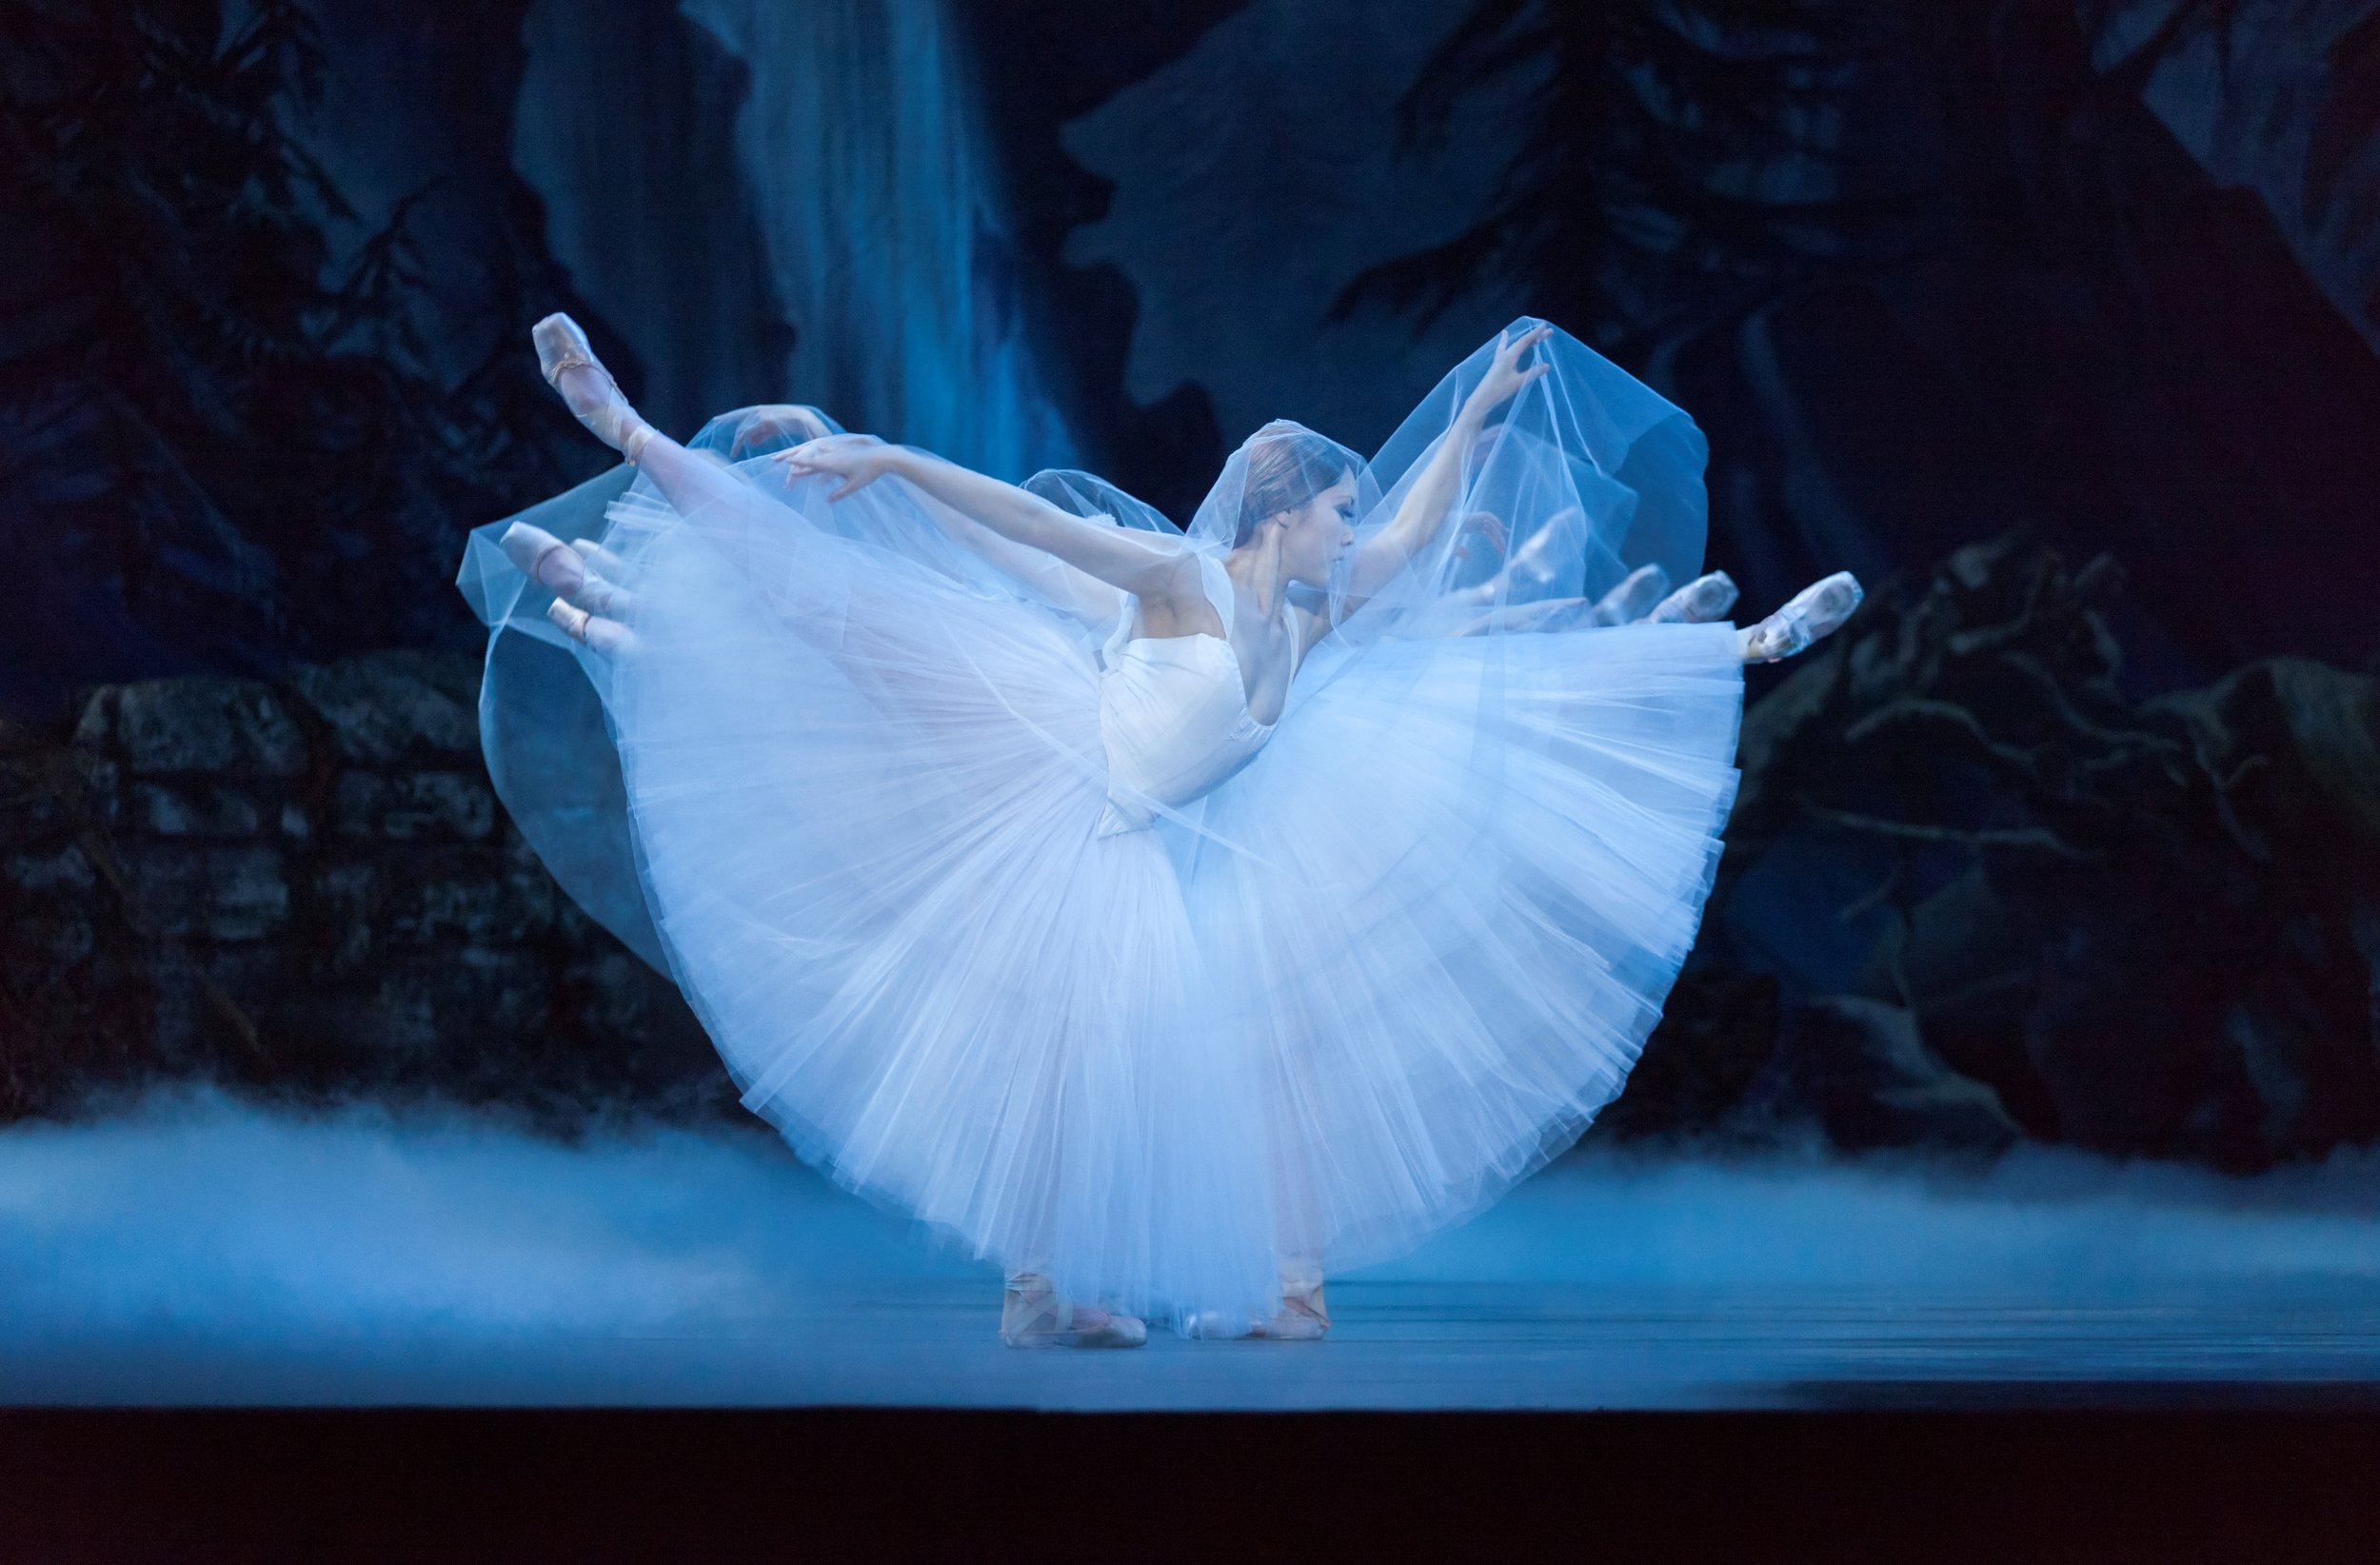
212,451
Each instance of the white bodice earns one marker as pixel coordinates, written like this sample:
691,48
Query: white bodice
1173,714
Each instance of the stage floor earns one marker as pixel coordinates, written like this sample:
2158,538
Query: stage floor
204,1253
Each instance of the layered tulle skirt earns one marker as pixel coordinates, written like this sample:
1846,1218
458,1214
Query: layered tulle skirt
852,800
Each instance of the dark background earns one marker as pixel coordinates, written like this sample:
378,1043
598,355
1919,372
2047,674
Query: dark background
2056,319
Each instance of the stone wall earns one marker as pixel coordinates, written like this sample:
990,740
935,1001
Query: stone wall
307,885
1999,892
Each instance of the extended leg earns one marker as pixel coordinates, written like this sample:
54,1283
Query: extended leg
714,500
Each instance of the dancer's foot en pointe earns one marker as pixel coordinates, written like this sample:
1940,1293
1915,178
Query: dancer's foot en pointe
1818,610
587,387
702,490
1033,1316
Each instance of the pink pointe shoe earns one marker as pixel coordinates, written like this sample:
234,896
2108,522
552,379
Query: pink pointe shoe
1818,610
1032,1316
593,396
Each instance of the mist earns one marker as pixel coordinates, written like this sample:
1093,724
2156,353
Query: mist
202,1250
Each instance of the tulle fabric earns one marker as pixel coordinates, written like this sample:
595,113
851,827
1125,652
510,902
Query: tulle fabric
541,724
869,846
849,783
1450,952
1591,473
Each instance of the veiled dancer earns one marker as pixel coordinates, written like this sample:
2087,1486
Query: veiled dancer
1168,915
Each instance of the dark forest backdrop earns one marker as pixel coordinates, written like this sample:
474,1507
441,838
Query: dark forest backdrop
2055,319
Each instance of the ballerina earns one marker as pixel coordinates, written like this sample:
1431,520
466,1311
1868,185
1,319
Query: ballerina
1164,913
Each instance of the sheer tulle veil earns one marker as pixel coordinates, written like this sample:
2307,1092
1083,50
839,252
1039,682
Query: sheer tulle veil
1589,473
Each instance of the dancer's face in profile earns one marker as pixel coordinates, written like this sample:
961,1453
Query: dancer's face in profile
1317,533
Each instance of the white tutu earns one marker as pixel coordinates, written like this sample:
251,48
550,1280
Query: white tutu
1387,967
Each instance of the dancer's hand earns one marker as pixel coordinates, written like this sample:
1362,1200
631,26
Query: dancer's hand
1504,377
1487,525
606,636
858,459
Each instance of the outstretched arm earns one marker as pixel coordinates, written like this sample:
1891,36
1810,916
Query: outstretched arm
1432,496
1062,586
1145,564
764,430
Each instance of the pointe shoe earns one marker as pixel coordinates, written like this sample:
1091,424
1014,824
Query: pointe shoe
1699,602
1032,1316
1639,591
1818,610
562,348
